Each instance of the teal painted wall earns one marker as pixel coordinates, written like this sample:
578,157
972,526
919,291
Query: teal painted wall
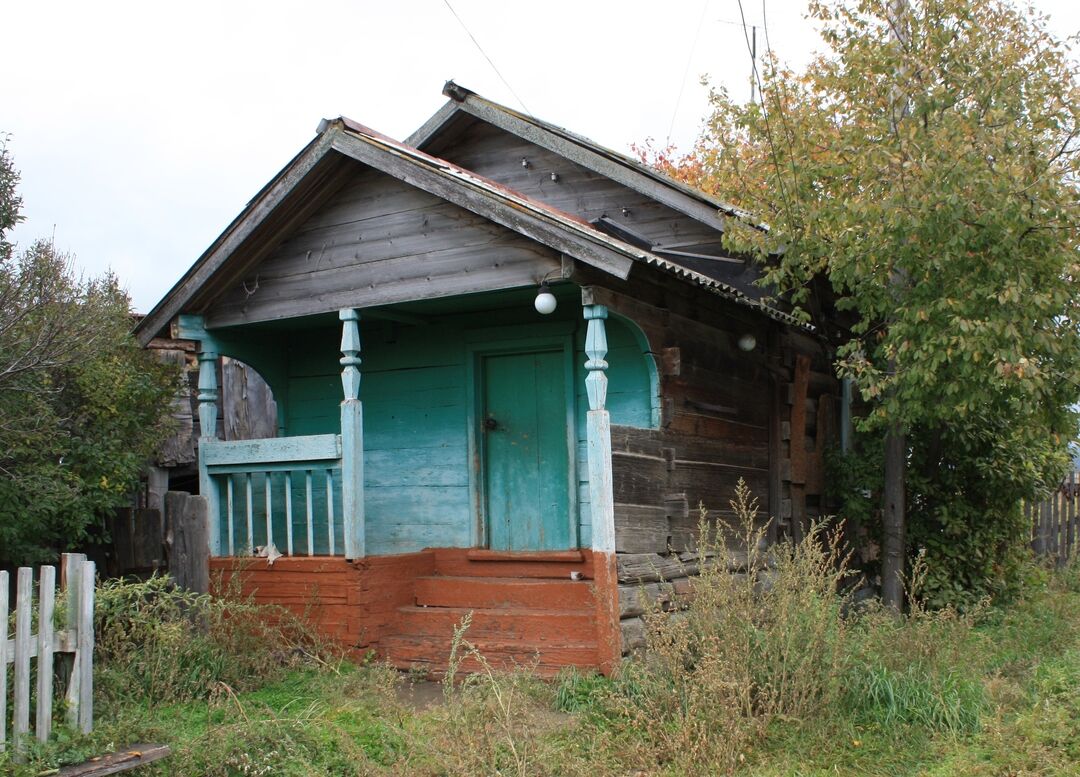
416,417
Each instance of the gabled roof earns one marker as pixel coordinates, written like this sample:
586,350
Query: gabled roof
294,194
619,167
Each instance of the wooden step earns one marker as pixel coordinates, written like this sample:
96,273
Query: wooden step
410,652
497,592
456,562
505,623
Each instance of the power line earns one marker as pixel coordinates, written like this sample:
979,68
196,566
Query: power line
686,70
484,53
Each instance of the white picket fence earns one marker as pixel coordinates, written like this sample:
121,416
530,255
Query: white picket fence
73,644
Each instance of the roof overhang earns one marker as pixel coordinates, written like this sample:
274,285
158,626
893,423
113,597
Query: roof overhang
315,173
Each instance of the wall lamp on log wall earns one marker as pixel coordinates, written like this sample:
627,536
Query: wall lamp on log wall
747,342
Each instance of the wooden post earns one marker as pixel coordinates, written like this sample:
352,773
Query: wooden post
20,726
186,527
1070,521
601,497
208,487
352,438
72,584
84,645
46,608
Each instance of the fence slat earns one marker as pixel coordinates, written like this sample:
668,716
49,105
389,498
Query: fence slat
1070,533
3,658
85,647
46,607
73,564
21,721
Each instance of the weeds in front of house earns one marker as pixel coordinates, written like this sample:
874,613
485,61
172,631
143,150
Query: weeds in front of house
158,644
763,671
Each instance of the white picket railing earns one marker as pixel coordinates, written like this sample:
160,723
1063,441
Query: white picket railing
285,492
74,643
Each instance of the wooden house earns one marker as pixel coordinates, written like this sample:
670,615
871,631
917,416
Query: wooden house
442,446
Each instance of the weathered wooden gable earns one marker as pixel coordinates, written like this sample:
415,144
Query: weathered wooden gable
381,241
547,176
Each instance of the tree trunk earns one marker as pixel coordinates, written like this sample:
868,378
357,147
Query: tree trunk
894,520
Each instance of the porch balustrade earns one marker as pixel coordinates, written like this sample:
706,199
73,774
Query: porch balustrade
283,493
307,491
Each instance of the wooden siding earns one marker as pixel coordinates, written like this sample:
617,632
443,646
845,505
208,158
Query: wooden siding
497,154
379,241
416,416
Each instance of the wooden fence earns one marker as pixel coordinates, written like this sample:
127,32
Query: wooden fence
72,645
1055,522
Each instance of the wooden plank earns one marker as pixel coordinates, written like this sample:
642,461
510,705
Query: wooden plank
20,726
84,657
491,205
641,528
72,583
124,760
617,169
187,540
46,608
278,450
652,567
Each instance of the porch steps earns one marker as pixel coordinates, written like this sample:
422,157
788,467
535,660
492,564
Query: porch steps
500,592
526,610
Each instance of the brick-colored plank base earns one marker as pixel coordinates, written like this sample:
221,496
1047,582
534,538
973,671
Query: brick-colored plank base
527,609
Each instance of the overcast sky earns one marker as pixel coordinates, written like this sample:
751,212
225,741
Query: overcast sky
142,128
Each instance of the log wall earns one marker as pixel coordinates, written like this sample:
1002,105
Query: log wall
765,416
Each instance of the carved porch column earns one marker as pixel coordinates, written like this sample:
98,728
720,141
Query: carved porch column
601,500
352,437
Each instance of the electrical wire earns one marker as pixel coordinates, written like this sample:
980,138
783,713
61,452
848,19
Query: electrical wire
484,53
686,70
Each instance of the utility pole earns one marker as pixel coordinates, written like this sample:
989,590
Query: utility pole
753,63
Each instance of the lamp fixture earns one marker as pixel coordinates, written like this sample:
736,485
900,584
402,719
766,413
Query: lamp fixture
747,342
545,301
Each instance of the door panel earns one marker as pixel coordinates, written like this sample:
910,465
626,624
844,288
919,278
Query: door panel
526,455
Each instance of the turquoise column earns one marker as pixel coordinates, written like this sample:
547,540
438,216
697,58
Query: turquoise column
352,437
598,431
208,396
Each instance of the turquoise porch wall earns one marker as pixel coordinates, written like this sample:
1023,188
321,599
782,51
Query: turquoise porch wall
416,468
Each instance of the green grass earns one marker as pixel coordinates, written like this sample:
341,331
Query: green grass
936,694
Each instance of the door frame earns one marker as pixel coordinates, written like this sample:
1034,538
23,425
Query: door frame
489,344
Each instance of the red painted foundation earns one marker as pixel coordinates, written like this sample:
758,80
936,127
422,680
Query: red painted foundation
545,610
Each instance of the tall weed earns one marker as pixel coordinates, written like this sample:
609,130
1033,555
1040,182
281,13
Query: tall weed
160,644
750,646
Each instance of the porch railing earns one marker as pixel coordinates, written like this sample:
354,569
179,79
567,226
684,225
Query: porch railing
282,494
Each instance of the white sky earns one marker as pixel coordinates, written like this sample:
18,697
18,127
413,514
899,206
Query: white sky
141,128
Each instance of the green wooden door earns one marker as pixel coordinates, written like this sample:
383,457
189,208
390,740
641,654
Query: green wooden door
525,451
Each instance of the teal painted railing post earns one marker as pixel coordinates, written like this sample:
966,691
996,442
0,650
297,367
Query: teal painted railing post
352,437
598,432
208,396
